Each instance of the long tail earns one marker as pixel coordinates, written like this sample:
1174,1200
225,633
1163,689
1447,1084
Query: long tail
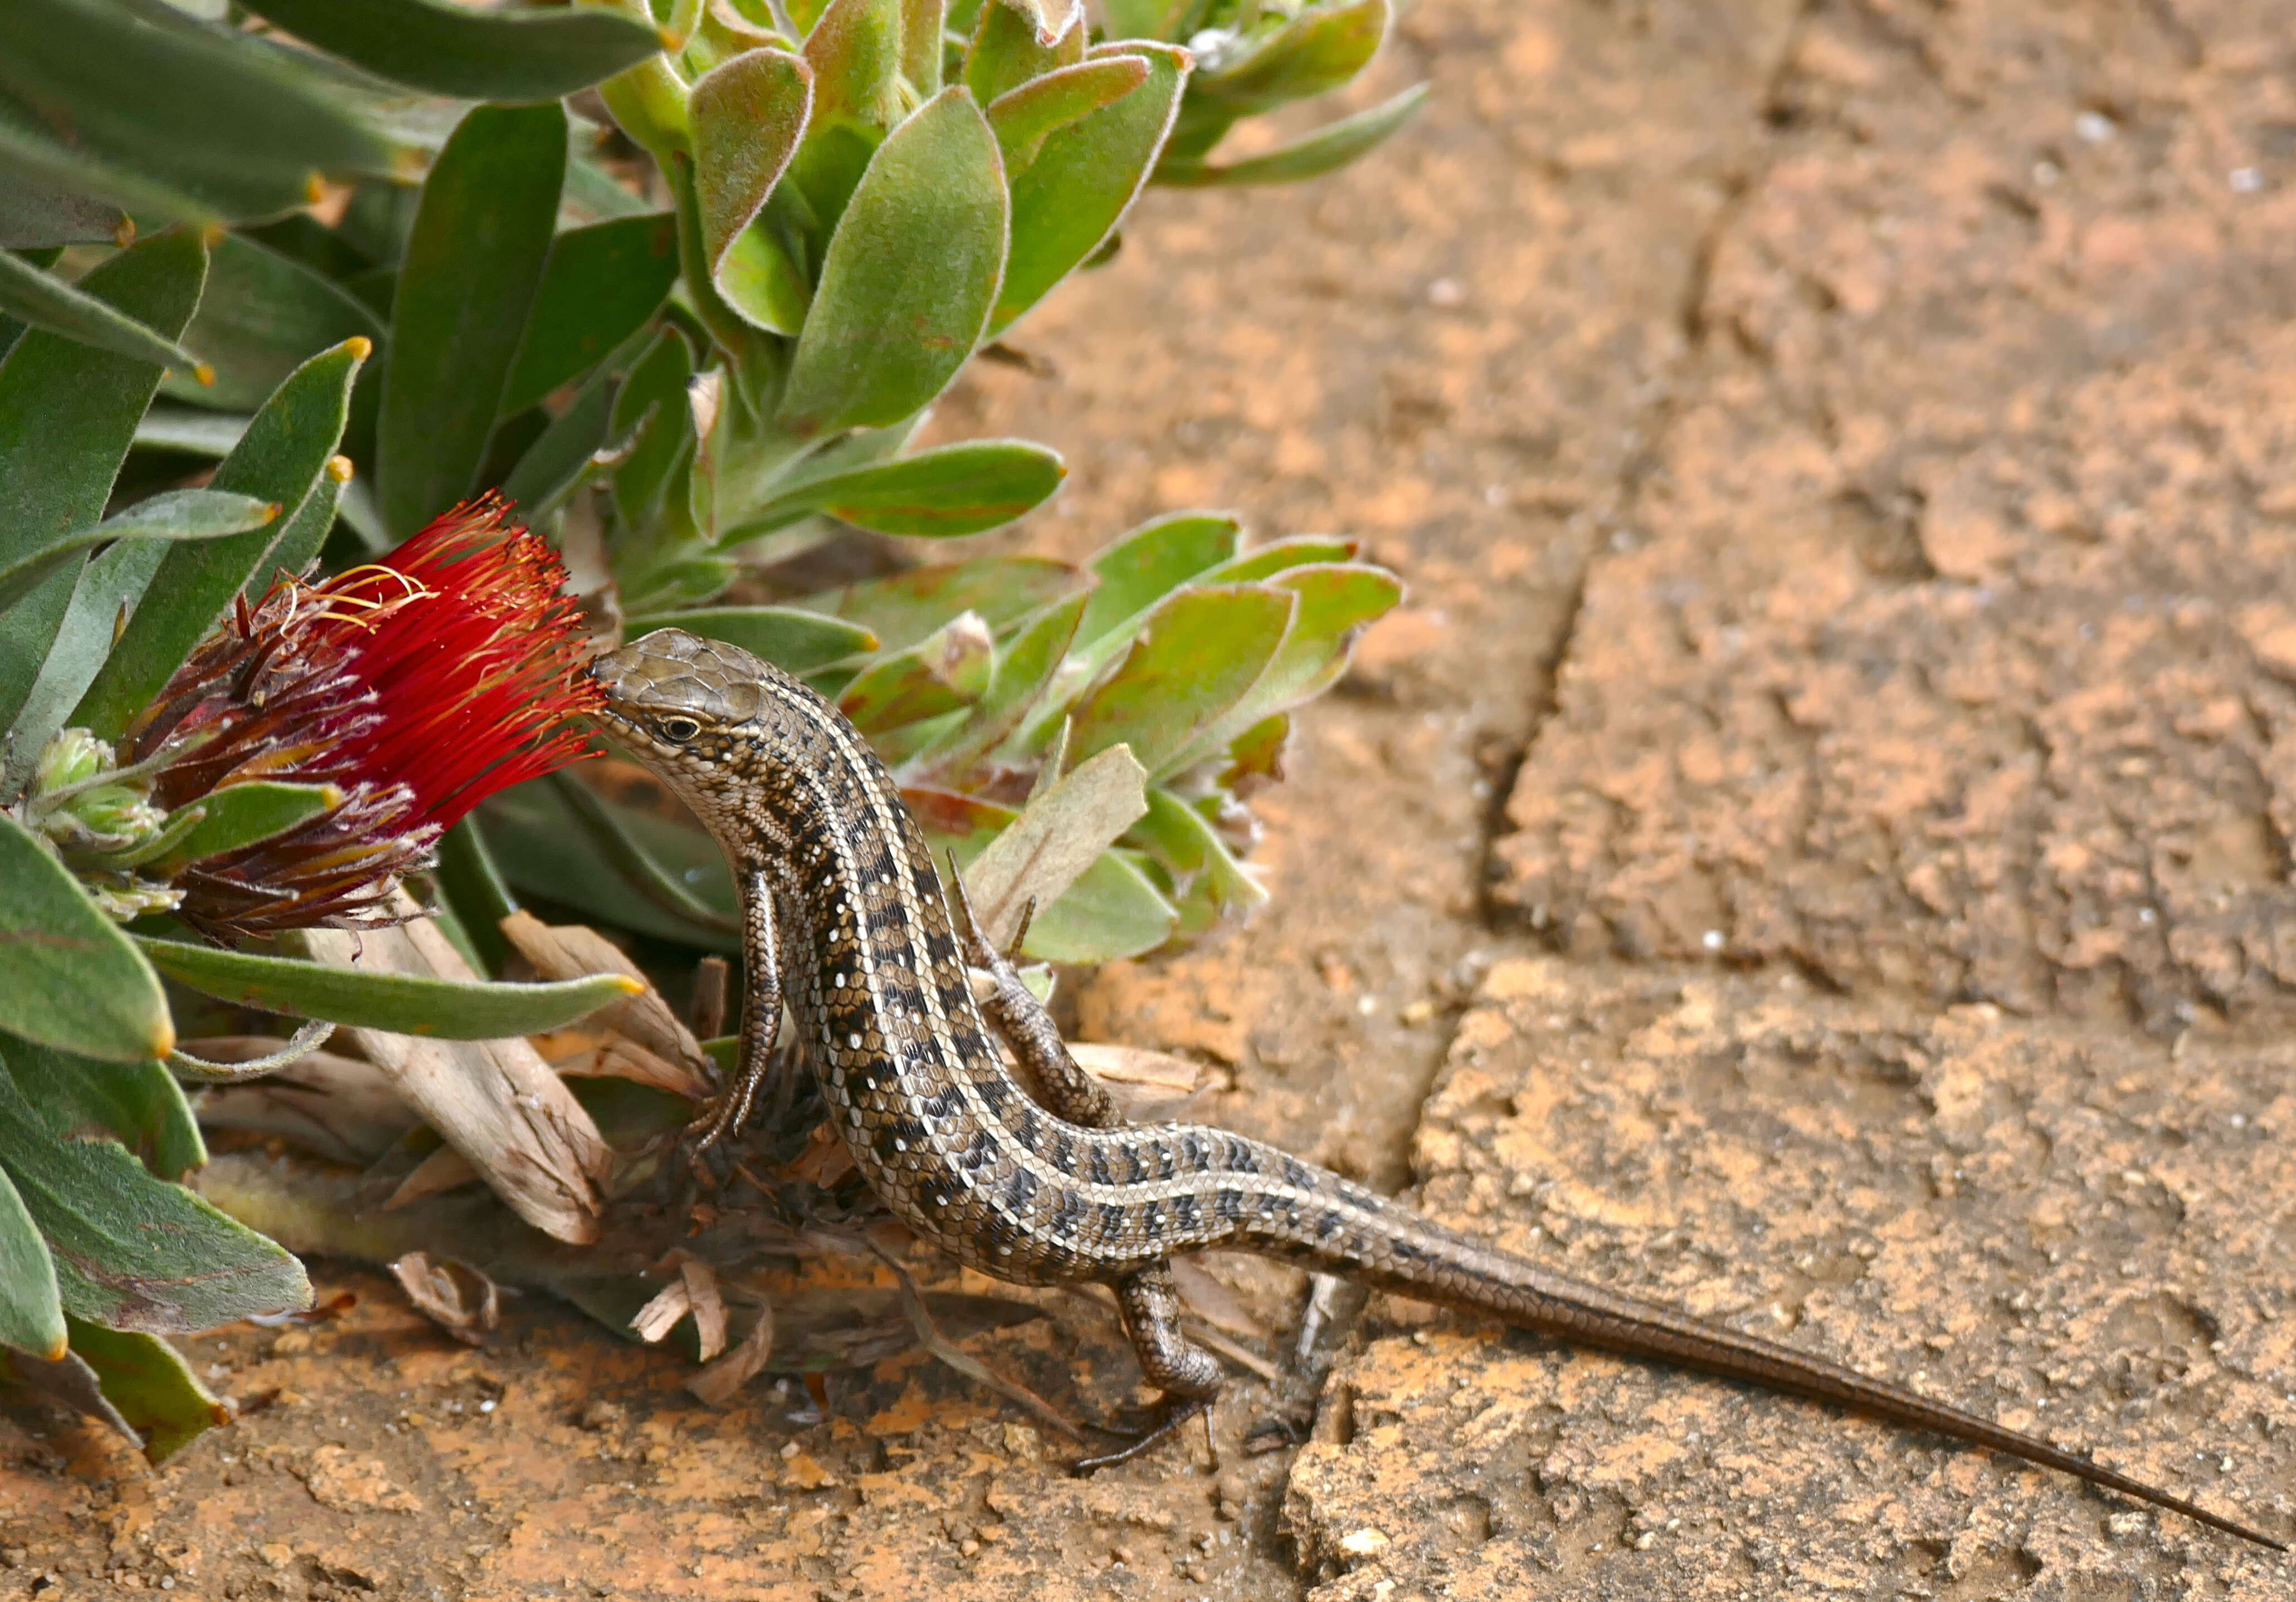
1414,1257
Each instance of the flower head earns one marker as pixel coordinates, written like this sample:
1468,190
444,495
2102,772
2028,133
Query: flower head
419,685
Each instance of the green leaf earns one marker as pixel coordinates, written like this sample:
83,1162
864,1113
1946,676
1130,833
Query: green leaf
133,1252
194,433
1023,116
1056,837
152,1387
944,672
1265,561
219,126
1184,840
46,302
1015,41
136,1103
902,608
1197,656
652,403
1146,18
69,978
792,640
248,812
749,116
504,52
299,542
855,51
38,214
1150,563
1318,50
1313,154
601,285
1068,203
401,1004
263,316
1024,672
472,272
31,1314
174,514
922,22
560,459
1111,912
909,277
952,489
66,418
1336,601
282,457
546,853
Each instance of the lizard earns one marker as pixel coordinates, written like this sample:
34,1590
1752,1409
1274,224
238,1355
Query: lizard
1031,1176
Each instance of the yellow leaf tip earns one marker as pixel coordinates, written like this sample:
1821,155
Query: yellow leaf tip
670,42
205,373
57,1352
340,469
211,234
360,346
124,235
163,1037
629,986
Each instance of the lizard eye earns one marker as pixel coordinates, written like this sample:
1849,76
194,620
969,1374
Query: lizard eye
677,730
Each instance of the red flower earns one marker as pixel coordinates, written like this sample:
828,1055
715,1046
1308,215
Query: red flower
421,685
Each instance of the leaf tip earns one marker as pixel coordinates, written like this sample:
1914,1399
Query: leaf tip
205,373
211,234
315,189
671,43
124,235
163,1037
340,469
57,1352
360,346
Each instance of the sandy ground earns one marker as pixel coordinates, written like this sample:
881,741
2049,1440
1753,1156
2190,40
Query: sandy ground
1815,849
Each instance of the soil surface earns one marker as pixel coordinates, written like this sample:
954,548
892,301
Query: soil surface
1814,849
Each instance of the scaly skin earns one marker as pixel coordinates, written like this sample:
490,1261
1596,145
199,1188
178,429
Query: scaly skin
845,920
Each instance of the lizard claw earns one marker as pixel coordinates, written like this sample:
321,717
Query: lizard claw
1173,1413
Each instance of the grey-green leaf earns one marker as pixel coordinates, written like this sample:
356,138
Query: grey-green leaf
1311,155
282,457
248,812
138,1104
952,489
473,271
1318,50
749,116
601,285
263,315
150,1389
498,53
1198,655
31,1312
401,1004
44,300
792,640
69,978
174,514
66,418
910,275
133,1252
1023,116
217,125
1085,175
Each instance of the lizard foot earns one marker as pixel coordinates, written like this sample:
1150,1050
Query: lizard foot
1174,1413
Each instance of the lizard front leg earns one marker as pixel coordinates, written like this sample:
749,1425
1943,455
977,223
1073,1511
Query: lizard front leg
761,1014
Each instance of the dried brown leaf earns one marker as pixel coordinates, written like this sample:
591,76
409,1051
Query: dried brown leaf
457,1298
718,1385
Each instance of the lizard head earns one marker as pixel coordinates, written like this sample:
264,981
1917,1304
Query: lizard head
679,703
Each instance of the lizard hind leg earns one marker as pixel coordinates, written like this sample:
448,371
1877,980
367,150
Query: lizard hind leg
1190,1377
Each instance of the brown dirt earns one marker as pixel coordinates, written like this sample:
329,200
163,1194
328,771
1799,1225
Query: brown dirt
1814,849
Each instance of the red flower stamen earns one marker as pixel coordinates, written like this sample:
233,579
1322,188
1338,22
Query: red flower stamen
421,685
